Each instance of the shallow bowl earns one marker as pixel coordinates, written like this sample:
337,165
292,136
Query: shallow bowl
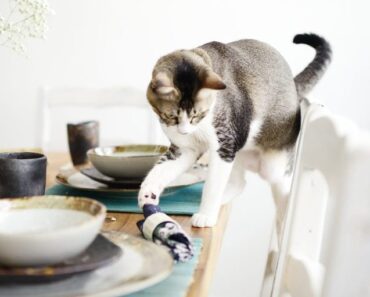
128,161
44,230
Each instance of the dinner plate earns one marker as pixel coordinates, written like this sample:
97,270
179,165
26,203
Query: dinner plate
73,178
142,265
100,253
95,175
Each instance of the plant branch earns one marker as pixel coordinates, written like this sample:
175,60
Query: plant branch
23,20
11,11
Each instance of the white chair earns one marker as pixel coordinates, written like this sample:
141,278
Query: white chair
325,247
123,113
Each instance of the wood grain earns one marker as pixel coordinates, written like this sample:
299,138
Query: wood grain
126,222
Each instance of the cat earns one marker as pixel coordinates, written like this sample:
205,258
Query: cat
240,103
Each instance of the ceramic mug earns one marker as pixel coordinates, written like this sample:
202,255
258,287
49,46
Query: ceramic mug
82,137
22,174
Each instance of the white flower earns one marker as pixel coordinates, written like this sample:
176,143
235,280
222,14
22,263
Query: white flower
26,19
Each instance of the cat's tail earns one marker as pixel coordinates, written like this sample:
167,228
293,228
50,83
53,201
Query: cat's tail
309,77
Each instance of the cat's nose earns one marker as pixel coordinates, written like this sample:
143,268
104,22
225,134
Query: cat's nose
183,129
183,132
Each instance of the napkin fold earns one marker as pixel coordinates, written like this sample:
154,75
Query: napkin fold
163,230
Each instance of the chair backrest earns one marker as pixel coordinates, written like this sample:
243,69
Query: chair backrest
325,248
123,113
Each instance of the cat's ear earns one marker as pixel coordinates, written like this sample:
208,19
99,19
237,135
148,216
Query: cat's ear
162,85
213,81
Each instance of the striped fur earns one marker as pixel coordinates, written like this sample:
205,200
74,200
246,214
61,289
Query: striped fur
310,76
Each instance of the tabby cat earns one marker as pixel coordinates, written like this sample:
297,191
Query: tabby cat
240,103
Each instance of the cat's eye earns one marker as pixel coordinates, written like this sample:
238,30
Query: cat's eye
168,116
198,113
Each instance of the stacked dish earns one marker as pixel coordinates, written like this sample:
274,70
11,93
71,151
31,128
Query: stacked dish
122,169
53,244
55,232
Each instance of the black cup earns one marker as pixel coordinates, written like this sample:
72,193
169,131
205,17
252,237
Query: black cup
22,174
82,137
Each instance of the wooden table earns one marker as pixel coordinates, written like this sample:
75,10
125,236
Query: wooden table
126,222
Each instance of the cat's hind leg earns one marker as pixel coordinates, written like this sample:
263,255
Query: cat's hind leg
275,169
236,182
280,192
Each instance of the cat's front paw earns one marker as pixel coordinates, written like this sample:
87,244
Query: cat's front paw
203,220
148,194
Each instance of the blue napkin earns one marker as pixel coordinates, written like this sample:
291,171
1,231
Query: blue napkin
180,201
165,231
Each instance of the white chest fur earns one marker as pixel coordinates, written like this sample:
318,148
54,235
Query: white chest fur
203,138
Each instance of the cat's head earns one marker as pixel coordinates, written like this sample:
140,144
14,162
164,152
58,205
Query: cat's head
182,89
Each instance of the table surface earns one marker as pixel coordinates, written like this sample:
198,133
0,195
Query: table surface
126,222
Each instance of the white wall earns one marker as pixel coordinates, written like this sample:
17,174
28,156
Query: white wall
104,43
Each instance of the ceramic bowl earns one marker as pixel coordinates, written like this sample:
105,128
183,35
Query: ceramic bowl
128,161
45,230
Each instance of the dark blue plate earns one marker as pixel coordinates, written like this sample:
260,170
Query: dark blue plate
100,253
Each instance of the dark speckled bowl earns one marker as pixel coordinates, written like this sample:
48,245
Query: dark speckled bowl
22,174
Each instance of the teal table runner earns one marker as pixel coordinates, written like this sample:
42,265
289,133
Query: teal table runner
178,283
182,201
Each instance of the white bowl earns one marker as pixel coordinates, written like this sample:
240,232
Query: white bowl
44,230
127,161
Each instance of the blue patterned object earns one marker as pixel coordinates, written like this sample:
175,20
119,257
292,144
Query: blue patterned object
163,230
181,201
178,283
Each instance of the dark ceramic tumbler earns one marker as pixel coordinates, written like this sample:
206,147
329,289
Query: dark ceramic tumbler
22,174
82,137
